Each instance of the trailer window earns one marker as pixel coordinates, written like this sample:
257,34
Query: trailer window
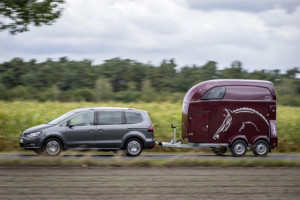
214,93
247,93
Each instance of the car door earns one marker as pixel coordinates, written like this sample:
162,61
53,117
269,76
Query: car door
110,129
80,131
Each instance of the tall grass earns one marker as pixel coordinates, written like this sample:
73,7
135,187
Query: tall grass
17,116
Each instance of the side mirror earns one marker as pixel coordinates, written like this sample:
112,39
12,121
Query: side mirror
71,125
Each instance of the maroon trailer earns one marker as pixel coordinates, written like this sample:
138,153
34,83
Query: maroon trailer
238,115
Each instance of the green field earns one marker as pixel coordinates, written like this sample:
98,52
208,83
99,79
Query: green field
17,116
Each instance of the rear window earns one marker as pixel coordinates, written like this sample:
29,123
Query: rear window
109,117
214,93
133,118
247,93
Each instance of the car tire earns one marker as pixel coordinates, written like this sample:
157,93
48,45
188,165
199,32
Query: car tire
238,148
52,147
133,147
219,151
261,148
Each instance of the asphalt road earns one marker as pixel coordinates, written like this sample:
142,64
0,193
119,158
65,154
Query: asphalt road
148,156
28,182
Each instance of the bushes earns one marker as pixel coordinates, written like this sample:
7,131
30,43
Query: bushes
101,93
289,100
17,116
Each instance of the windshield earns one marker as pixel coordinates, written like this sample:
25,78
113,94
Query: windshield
62,118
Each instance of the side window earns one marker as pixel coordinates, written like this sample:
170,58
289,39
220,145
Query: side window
84,119
133,118
214,93
248,93
64,124
109,117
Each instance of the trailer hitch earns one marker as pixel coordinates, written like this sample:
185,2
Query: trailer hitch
174,139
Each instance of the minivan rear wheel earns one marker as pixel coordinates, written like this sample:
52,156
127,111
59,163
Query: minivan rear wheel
238,148
133,147
52,147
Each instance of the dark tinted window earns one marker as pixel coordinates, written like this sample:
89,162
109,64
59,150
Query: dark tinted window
247,93
133,118
109,117
214,93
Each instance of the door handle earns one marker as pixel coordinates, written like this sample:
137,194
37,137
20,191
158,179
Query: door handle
91,131
100,130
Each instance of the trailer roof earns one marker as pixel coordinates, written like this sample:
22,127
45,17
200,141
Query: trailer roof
196,91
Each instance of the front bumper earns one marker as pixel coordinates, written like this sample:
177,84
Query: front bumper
30,143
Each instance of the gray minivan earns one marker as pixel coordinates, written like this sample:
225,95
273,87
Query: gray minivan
97,128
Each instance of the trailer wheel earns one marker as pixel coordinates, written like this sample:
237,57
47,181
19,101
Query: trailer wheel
219,151
238,148
261,148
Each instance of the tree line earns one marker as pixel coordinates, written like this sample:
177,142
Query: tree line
126,80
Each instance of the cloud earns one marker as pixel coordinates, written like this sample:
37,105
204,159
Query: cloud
246,6
261,34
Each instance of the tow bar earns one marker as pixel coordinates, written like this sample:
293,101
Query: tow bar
179,144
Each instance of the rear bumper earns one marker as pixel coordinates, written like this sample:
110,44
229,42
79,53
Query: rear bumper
150,145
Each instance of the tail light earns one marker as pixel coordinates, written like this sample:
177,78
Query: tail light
150,129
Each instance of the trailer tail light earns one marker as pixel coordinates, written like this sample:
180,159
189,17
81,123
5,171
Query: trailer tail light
150,129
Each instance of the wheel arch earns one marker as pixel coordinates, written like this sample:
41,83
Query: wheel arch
54,137
238,137
134,137
262,137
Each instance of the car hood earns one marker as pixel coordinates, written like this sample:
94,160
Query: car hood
37,128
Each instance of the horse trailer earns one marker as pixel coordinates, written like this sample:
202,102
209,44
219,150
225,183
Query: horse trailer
235,115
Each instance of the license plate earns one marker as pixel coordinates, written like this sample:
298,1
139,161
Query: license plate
21,140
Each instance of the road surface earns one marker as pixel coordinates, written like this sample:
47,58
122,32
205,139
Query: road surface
27,182
147,156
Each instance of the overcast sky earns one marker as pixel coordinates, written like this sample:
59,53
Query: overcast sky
262,34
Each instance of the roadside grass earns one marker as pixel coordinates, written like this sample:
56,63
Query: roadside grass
151,163
15,117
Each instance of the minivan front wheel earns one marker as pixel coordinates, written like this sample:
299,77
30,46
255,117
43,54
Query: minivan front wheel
52,147
133,147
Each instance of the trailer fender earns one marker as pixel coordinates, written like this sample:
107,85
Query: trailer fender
260,137
235,137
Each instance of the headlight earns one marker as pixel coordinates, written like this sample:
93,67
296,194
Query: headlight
35,134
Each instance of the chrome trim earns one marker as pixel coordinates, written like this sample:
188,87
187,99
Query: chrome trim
194,145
